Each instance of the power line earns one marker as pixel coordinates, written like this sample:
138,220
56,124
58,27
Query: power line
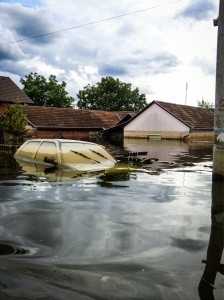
90,23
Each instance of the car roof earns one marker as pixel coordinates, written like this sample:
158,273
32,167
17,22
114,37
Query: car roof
60,141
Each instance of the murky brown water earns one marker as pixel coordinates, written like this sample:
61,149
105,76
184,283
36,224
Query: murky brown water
140,232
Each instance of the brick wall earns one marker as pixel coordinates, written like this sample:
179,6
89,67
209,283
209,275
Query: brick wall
66,134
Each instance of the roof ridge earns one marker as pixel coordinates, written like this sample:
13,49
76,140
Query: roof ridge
159,101
84,110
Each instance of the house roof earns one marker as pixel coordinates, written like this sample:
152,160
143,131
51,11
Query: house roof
11,93
53,117
194,117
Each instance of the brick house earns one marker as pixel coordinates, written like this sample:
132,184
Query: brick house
51,122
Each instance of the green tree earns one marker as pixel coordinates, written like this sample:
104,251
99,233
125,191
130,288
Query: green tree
46,92
14,121
205,104
111,95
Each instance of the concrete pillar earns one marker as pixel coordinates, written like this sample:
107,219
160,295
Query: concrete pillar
218,151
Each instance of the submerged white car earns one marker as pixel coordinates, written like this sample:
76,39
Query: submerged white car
62,153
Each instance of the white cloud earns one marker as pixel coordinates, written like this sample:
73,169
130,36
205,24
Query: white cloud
42,67
157,50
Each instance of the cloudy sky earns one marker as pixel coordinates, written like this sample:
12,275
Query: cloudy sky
159,46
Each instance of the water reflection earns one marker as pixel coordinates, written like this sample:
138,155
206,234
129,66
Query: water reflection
216,243
52,174
9,168
166,154
189,245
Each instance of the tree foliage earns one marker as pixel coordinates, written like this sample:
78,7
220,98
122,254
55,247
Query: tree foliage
46,92
111,95
205,104
14,120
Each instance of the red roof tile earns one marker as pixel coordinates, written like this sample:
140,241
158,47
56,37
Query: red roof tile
53,117
194,117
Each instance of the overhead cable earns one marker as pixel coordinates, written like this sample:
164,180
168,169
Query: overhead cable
90,23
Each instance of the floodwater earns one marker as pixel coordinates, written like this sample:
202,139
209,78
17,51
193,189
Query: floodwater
139,232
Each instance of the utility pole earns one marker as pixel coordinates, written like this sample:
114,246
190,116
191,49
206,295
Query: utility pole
218,150
186,93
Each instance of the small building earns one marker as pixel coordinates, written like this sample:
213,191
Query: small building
10,93
69,123
163,120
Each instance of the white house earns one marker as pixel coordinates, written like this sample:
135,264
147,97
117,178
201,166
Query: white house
168,121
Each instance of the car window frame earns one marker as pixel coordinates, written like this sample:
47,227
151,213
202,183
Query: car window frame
56,147
24,147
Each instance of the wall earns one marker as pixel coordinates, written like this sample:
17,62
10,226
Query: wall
2,108
163,134
201,135
66,134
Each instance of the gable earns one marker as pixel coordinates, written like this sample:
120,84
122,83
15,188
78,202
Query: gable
193,117
11,93
155,118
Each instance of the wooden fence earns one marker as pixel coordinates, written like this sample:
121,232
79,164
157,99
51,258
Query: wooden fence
7,147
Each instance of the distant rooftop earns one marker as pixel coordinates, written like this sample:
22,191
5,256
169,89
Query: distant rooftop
54,117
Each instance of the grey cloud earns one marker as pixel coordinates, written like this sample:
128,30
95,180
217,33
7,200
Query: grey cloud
14,68
198,10
10,53
189,245
5,55
204,65
28,22
160,63
113,70
126,29
204,229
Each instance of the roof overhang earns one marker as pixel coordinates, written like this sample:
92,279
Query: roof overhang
65,128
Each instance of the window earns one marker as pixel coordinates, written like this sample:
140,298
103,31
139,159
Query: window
29,150
47,150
